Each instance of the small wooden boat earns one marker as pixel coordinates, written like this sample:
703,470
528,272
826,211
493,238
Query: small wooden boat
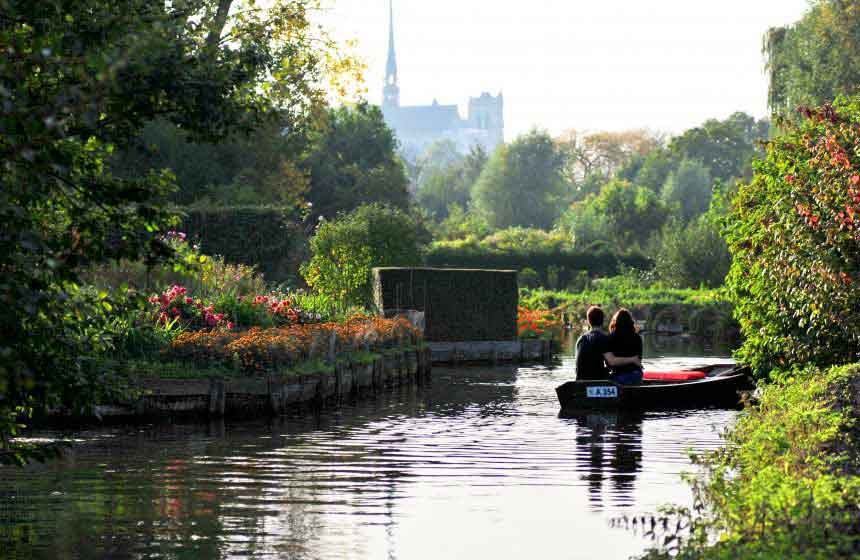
722,386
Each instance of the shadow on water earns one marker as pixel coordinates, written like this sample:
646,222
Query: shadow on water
476,465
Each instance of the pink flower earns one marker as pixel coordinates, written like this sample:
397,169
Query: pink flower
229,326
189,301
790,179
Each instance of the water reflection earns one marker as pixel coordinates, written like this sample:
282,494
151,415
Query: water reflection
476,465
609,448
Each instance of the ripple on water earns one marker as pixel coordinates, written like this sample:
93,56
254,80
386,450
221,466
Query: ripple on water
476,465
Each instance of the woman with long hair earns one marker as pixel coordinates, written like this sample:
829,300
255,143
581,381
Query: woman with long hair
625,342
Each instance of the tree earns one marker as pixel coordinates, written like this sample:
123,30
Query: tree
522,185
353,160
688,190
655,169
815,59
726,147
474,163
604,153
622,213
451,184
793,232
79,80
257,168
443,188
344,251
437,157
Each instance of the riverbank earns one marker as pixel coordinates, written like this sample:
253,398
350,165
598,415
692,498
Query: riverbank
263,372
787,483
657,309
167,390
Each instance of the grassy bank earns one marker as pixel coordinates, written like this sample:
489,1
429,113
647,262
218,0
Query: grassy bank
786,485
621,291
702,311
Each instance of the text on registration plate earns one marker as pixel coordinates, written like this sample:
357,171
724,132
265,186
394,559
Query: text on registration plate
602,392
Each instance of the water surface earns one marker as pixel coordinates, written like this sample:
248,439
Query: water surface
477,465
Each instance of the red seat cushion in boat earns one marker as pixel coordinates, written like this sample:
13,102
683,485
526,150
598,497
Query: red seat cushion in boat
673,375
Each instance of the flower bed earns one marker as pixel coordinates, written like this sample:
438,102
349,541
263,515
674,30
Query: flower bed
260,351
176,306
537,323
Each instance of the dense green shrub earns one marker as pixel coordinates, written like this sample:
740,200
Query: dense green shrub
461,224
794,233
692,255
345,250
786,485
258,236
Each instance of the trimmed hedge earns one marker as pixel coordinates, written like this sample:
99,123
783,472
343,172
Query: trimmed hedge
458,305
564,264
260,236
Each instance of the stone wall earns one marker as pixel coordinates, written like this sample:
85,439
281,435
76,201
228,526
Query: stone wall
458,304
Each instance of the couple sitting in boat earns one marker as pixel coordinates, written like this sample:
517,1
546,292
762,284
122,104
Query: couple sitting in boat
616,356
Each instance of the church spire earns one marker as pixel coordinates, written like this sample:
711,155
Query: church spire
391,67
391,91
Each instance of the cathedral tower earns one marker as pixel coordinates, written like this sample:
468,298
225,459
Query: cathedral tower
391,91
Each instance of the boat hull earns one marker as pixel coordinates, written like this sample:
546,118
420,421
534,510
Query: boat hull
725,389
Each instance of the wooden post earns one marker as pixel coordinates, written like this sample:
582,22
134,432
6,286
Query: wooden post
332,347
217,398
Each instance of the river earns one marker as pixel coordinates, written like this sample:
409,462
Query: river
476,465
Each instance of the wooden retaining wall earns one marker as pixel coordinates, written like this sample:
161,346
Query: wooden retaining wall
274,394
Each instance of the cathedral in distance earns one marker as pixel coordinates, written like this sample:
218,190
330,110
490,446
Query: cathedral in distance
417,127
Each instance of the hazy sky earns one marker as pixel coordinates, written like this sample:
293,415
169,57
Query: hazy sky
585,64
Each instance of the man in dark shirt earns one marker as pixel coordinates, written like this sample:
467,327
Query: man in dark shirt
592,350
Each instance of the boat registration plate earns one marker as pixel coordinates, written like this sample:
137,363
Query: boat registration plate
602,392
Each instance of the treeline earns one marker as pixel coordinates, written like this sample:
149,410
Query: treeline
627,193
331,163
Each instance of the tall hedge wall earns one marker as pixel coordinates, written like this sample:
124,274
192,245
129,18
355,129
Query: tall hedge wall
264,237
458,305
565,263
